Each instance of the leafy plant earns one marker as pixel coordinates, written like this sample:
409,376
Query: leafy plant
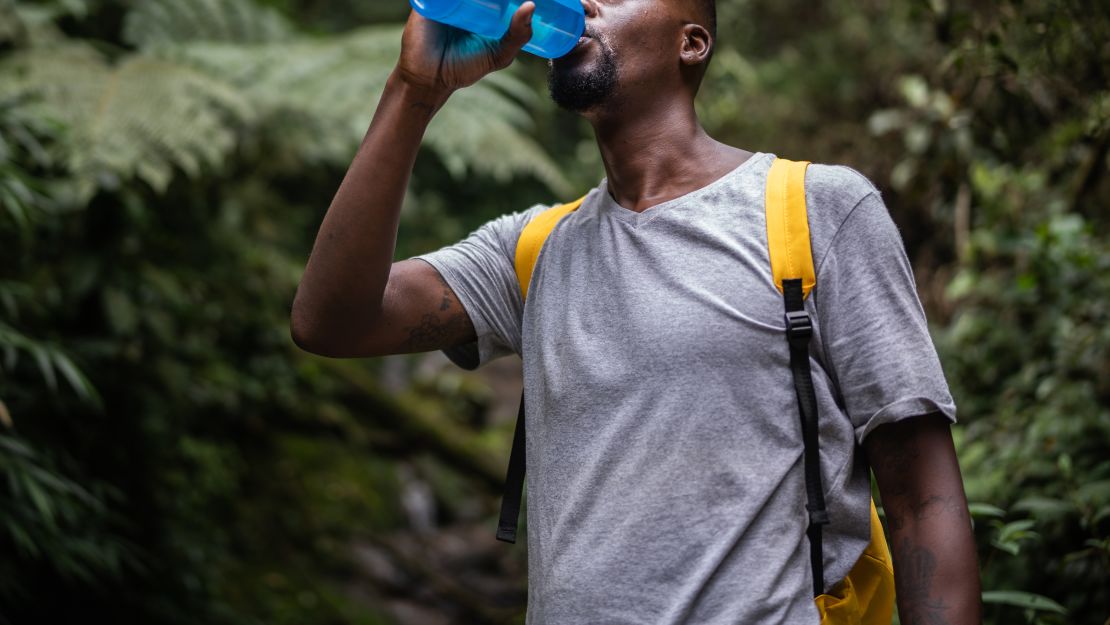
54,524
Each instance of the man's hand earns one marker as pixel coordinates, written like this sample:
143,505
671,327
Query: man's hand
936,572
443,58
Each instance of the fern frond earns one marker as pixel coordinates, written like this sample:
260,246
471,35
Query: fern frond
26,24
183,106
141,117
12,28
483,131
160,22
325,91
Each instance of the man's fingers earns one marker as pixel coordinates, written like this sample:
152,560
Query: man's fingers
520,31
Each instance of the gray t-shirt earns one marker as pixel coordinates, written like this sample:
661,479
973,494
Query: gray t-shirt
665,481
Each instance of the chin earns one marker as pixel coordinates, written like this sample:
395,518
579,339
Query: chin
585,78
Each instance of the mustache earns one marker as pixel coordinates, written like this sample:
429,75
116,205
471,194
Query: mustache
591,33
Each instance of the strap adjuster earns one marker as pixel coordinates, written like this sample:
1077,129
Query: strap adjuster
818,517
798,324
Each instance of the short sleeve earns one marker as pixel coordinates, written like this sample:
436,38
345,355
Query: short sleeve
480,270
872,326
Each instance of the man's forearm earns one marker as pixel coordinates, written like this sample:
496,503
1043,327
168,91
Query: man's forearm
936,571
349,267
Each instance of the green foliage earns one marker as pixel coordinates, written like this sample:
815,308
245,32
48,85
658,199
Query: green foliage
1031,602
139,117
208,75
1027,348
324,90
51,362
167,456
155,221
157,23
53,524
988,132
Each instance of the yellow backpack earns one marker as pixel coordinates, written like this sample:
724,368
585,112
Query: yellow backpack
866,595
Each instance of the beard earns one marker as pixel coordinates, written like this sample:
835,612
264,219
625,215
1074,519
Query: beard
580,87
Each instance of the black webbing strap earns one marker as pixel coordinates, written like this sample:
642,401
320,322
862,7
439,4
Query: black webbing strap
514,483
799,329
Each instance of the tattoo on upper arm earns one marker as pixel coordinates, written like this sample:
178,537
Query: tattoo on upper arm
436,332
447,327
916,568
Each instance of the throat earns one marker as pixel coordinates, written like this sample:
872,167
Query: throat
641,183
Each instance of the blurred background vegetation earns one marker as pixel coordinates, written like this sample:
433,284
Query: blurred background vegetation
166,454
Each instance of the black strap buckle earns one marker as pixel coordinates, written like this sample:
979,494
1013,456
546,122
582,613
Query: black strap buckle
798,324
818,516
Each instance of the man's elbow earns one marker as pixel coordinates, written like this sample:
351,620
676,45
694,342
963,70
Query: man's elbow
309,333
324,335
306,334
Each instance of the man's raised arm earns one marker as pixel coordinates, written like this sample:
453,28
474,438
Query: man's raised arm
353,300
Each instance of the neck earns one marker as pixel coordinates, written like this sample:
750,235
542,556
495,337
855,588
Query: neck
657,153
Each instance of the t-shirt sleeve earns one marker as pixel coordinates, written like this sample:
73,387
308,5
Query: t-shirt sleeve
480,270
873,328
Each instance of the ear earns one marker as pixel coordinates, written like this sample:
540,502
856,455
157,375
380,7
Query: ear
697,44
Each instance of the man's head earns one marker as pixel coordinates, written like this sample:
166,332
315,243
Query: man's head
635,49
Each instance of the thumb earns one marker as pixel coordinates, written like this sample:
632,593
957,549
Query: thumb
520,32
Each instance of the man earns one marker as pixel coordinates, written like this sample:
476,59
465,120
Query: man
664,456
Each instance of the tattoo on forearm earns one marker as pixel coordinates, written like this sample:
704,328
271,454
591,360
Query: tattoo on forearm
895,461
937,505
915,570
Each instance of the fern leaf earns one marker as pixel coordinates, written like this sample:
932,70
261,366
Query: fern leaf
142,117
325,90
155,23
210,69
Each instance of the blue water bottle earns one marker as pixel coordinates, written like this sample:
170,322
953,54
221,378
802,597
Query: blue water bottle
556,25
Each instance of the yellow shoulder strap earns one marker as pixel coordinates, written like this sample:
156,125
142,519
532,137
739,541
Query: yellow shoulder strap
788,224
866,595
531,240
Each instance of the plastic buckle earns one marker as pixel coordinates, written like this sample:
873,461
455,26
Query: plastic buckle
798,324
818,517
